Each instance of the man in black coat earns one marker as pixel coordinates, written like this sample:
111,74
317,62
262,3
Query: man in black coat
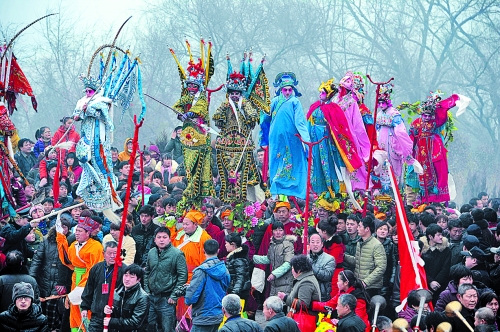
15,233
95,296
13,273
131,303
277,321
348,322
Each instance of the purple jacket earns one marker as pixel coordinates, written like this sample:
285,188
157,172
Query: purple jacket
408,314
446,296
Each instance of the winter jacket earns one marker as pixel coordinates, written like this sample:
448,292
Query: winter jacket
8,279
361,303
259,232
205,292
455,249
25,161
323,266
92,297
40,146
350,249
279,255
408,313
130,309
45,163
174,147
71,136
447,296
351,323
305,288
14,240
238,265
45,267
495,277
390,271
128,247
370,262
31,321
281,323
238,323
125,154
437,264
143,238
166,272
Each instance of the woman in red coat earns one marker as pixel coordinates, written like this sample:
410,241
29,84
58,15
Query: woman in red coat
71,136
348,284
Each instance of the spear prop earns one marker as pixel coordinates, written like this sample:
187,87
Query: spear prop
201,125
308,190
118,262
372,139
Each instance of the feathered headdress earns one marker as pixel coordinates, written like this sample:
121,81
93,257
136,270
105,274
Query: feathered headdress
198,72
90,82
358,85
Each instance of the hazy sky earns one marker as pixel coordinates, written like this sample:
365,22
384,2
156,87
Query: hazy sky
18,13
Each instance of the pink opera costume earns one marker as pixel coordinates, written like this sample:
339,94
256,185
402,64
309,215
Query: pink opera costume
347,101
393,138
429,146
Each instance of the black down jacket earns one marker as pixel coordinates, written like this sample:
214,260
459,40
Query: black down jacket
238,265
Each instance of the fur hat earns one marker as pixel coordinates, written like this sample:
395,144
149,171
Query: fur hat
22,289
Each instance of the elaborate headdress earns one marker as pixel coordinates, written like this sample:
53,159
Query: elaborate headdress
236,82
429,106
197,72
358,85
286,79
342,82
329,87
239,81
384,92
89,82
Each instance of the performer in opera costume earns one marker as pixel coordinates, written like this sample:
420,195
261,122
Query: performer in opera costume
393,138
335,156
93,150
287,154
236,117
348,103
429,147
192,110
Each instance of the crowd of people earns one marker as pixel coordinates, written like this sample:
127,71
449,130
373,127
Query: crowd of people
212,232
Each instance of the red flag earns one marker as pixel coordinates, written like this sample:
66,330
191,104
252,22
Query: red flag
411,265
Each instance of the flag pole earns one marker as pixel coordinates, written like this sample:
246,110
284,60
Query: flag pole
118,261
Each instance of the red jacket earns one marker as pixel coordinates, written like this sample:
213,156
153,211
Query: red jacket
44,173
360,304
72,136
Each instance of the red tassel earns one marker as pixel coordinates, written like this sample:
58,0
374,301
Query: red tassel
55,187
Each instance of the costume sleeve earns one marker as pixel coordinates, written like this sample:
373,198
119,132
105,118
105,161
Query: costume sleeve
219,116
265,125
196,287
94,255
404,144
442,109
62,249
380,259
359,131
300,121
182,275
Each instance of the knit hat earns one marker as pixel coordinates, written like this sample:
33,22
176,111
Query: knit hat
22,289
474,230
36,207
470,241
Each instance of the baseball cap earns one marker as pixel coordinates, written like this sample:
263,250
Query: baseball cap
474,230
470,241
475,252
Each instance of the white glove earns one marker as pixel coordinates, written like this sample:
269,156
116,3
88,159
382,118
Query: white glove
417,167
59,227
75,296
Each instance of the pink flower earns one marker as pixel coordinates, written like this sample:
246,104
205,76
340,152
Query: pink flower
249,211
256,206
255,220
